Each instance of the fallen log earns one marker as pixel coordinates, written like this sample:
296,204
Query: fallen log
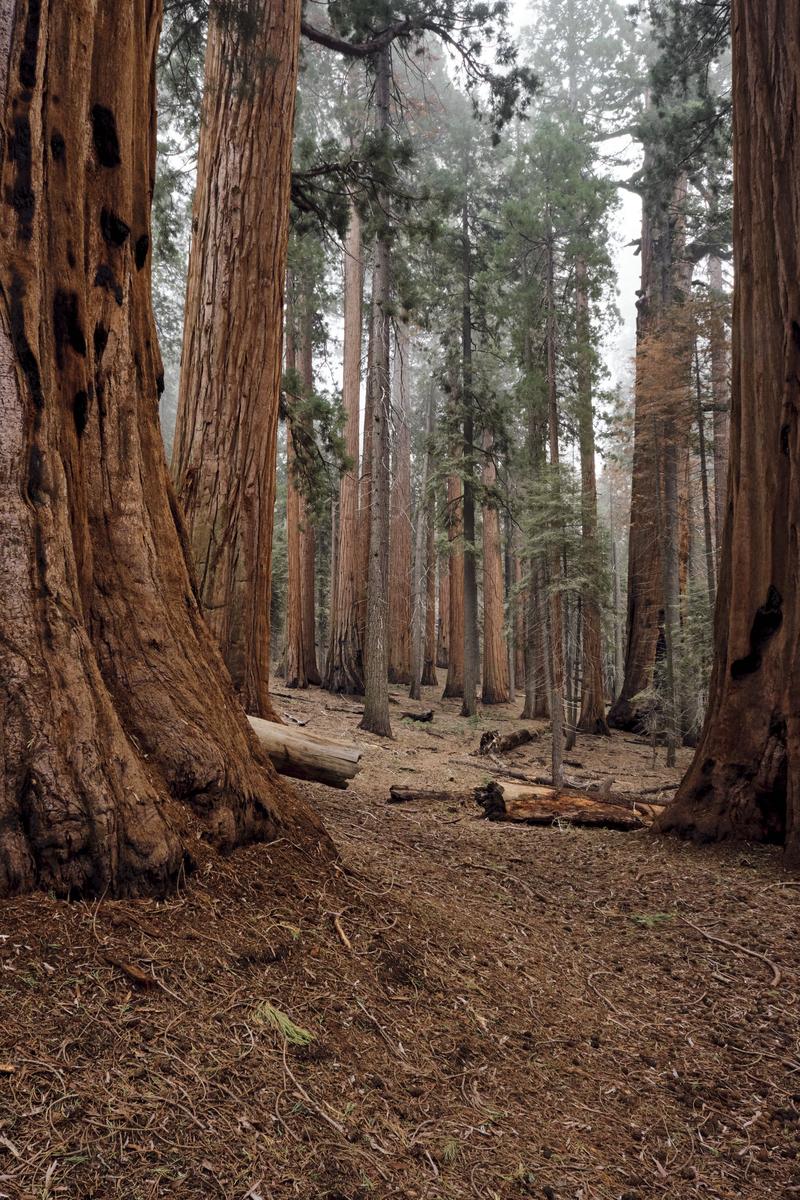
493,742
303,755
419,716
541,805
405,795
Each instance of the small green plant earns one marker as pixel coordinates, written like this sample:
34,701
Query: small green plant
651,920
266,1014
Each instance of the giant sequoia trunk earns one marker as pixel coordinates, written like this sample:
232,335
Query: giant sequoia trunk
225,437
345,669
400,536
376,637
661,269
495,657
720,392
745,777
123,745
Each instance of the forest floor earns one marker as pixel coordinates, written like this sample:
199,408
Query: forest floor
477,1009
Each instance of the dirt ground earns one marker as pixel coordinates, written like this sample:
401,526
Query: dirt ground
456,1008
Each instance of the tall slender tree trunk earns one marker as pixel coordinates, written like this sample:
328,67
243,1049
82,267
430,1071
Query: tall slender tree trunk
495,688
554,649
345,669
295,673
226,433
308,554
708,541
443,622
470,598
429,649
400,537
720,393
376,642
518,617
124,748
592,717
745,778
365,479
454,684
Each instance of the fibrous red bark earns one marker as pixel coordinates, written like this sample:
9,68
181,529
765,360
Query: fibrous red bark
345,670
400,605
745,778
495,657
123,746
226,433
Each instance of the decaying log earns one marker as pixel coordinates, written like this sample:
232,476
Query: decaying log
419,716
493,742
405,795
304,756
541,805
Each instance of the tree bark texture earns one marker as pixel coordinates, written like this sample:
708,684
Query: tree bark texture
745,778
400,536
365,478
226,433
346,668
123,747
495,657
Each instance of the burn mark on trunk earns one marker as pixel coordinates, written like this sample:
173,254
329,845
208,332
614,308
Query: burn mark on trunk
30,45
67,329
20,196
22,348
58,147
115,231
80,411
785,440
37,492
766,623
160,383
104,135
106,279
100,339
140,252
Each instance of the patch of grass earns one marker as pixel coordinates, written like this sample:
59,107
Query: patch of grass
267,1014
652,920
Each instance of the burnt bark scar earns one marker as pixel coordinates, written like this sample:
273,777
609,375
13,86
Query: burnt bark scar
766,623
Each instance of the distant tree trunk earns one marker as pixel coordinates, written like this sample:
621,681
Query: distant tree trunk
619,659
429,649
745,778
708,541
495,658
443,623
720,392
376,642
470,596
307,537
400,536
345,670
454,684
554,630
519,618
661,271
365,479
666,475
295,673
226,432
124,748
511,637
592,718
